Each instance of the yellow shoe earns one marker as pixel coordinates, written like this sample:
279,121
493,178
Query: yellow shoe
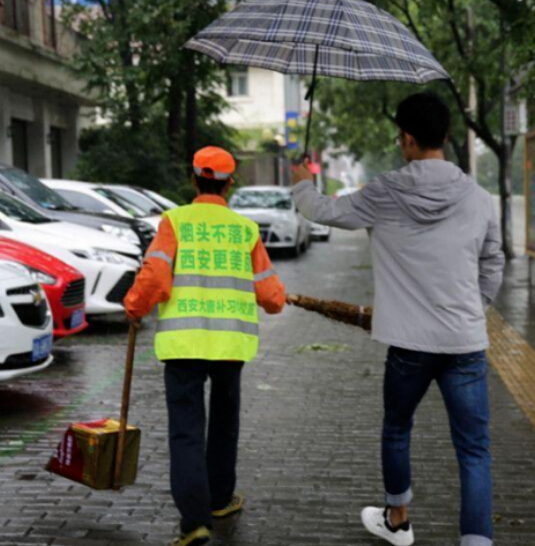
235,505
199,536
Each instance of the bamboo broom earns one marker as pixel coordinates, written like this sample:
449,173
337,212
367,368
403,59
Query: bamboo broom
356,315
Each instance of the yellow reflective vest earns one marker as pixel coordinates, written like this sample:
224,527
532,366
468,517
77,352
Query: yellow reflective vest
212,312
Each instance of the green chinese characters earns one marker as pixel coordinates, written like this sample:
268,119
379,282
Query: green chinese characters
234,261
202,232
210,307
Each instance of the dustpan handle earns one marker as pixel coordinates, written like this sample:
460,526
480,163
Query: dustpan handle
119,453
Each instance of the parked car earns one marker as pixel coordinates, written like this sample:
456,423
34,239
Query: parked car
30,190
25,324
64,286
97,198
108,264
146,204
164,203
272,208
319,232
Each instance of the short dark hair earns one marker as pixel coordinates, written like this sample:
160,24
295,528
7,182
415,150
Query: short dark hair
426,117
210,185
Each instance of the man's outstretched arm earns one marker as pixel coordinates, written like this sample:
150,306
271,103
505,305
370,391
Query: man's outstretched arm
353,211
491,261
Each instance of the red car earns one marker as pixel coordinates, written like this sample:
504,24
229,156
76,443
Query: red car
64,286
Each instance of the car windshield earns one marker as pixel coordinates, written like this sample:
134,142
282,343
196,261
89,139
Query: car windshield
139,200
84,201
261,200
161,200
17,210
36,190
121,202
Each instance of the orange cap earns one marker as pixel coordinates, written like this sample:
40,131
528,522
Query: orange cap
214,162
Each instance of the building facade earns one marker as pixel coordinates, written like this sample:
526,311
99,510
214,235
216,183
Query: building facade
267,109
42,103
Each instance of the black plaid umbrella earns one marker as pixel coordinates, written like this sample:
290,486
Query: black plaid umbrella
350,39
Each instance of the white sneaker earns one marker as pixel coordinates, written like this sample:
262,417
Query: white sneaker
375,521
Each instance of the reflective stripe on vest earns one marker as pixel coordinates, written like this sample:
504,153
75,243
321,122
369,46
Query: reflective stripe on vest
205,323
202,281
212,312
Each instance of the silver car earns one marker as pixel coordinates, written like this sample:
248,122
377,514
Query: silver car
272,208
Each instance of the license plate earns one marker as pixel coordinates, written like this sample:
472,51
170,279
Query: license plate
77,318
42,346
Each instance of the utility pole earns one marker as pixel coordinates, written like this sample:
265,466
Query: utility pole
472,99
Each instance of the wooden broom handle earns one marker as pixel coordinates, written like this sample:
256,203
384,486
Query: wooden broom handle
119,453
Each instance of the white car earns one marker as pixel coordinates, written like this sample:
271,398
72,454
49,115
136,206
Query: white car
98,198
108,263
160,200
273,209
25,324
137,198
320,232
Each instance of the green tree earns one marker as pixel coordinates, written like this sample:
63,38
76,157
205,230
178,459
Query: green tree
495,52
162,101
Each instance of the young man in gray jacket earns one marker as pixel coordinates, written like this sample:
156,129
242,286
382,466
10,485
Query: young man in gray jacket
438,264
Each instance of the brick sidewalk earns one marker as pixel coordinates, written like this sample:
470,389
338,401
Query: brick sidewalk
309,456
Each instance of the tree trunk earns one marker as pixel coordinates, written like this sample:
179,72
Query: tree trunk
191,112
506,183
127,58
174,123
461,151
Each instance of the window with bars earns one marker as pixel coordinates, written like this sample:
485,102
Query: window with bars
238,82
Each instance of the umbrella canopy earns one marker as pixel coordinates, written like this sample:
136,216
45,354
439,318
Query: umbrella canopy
349,39
355,39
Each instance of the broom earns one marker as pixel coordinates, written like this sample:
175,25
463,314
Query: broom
355,315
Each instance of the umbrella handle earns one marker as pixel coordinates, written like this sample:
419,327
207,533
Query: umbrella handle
310,96
121,440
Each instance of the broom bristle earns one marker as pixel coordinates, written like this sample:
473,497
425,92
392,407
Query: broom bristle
336,310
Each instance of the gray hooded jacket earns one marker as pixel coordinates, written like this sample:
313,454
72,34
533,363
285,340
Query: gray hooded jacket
436,247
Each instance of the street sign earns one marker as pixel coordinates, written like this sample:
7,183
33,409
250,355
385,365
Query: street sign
516,118
292,130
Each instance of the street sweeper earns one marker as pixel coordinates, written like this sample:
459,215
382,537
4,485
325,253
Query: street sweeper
207,269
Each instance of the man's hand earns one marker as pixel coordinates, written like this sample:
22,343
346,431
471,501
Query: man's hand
301,173
134,321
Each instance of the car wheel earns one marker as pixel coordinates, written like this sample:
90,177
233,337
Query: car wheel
325,238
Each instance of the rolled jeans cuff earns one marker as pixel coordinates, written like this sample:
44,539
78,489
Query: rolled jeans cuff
475,540
399,500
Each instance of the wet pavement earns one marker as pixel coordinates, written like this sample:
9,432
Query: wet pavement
309,448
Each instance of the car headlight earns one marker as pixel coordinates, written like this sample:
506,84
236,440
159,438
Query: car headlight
100,255
36,274
126,234
286,224
41,277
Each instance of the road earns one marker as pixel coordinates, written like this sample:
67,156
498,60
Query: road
309,448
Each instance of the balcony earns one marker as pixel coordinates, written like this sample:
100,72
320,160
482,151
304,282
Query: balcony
37,20
35,47
15,14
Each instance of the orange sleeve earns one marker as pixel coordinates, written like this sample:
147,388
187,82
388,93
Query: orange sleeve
270,292
154,281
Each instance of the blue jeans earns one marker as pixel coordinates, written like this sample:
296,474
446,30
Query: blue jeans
462,380
203,471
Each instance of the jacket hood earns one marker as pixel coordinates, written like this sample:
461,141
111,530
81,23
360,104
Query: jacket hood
428,190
